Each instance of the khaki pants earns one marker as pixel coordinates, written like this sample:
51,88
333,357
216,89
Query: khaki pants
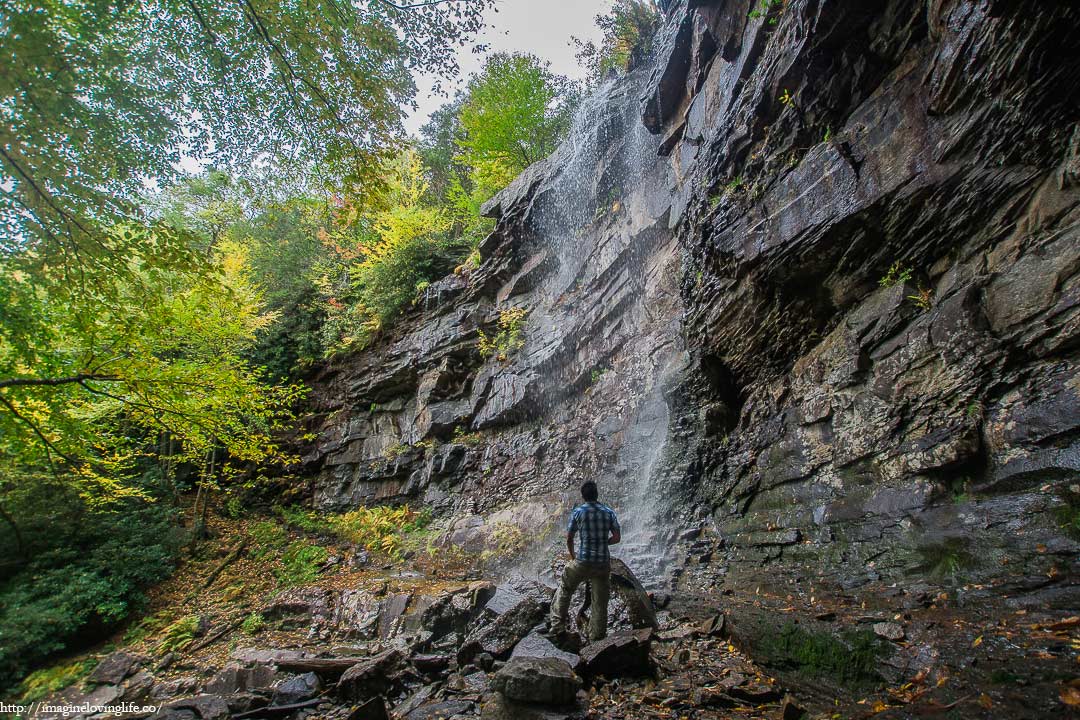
598,575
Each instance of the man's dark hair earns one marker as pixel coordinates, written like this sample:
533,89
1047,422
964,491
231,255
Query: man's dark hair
589,491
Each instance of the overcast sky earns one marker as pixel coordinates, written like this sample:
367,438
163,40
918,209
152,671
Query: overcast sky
540,27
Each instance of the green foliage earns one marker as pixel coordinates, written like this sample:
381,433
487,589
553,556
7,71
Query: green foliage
508,339
302,519
923,299
80,571
300,563
48,680
896,275
514,113
1067,515
179,635
765,9
946,559
628,32
253,624
462,436
850,658
378,528
147,626
266,538
100,96
506,540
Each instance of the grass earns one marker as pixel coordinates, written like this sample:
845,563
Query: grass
850,658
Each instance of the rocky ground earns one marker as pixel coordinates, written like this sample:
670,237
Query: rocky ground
429,637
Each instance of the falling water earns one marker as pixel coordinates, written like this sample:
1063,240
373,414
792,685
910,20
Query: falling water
602,213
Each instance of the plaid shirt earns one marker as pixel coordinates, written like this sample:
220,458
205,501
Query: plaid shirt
594,523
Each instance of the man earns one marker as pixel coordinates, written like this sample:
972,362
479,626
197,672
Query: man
598,527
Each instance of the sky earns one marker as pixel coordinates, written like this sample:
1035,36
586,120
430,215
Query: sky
540,27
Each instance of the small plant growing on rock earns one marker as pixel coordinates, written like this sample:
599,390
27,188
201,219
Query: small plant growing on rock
508,340
764,8
464,437
896,275
393,452
595,375
923,298
786,98
253,624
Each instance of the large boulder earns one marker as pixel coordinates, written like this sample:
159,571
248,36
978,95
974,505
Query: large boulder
375,676
115,668
498,637
619,654
535,645
549,681
200,707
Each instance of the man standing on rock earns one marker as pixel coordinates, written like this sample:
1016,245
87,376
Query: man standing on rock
598,527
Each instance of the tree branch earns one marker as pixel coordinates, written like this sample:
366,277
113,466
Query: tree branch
52,382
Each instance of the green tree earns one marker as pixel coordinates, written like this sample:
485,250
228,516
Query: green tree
628,28
515,112
100,94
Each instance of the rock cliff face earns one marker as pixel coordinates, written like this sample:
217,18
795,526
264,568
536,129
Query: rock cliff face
809,277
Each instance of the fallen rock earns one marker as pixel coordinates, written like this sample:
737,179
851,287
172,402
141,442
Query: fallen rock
497,707
373,709
714,625
440,710
431,664
374,676
633,594
623,653
499,637
297,689
548,681
889,630
115,668
204,707
791,710
536,645
233,679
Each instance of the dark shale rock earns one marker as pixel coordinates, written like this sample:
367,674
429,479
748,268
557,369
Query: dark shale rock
548,681
537,646
374,676
498,637
619,654
200,707
817,273
296,689
115,668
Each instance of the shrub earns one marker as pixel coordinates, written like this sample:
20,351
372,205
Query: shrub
508,340
87,568
253,624
378,528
